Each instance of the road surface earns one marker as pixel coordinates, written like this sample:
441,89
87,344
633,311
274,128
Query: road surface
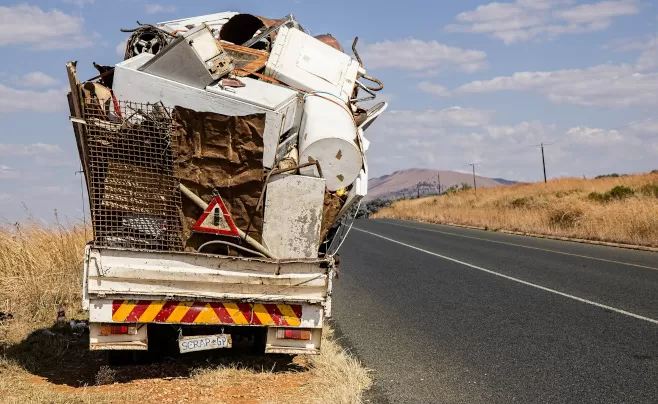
452,315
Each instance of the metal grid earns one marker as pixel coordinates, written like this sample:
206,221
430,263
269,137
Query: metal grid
134,197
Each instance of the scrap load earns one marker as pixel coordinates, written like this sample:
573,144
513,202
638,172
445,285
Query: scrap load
226,133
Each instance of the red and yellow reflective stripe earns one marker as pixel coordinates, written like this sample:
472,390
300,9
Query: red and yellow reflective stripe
149,311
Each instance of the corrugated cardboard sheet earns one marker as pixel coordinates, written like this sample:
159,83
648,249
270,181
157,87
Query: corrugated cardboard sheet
221,153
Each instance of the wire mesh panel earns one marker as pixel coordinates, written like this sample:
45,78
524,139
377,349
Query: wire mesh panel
135,199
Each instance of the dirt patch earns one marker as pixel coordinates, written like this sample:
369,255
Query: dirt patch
55,365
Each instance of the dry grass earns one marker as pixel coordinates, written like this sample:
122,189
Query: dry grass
561,207
40,270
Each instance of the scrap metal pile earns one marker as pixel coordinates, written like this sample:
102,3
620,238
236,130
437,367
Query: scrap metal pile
226,133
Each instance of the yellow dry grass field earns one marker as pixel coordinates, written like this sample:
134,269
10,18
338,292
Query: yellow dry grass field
40,271
613,209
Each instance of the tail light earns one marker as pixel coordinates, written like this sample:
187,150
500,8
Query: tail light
293,333
118,329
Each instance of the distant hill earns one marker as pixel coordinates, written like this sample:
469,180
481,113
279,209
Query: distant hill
504,181
406,183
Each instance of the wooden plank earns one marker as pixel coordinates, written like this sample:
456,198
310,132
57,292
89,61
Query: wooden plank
75,107
246,60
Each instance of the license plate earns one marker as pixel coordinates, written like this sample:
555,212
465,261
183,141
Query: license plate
204,342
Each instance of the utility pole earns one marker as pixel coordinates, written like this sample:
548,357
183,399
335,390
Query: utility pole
418,190
475,187
543,162
438,178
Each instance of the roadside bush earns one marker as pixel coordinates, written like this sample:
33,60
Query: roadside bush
562,194
619,192
519,203
565,217
649,190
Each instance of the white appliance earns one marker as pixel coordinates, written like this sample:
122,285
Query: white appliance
328,134
301,61
281,105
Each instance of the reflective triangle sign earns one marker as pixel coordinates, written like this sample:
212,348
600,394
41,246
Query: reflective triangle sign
216,220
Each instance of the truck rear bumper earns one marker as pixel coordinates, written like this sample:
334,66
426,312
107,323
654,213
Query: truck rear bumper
140,313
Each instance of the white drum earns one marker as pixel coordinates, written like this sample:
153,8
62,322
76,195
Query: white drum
328,134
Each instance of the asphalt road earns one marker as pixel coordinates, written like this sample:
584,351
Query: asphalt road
452,315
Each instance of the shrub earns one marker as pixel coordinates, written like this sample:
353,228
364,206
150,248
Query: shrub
523,202
598,197
565,216
464,187
562,194
649,190
619,192
613,175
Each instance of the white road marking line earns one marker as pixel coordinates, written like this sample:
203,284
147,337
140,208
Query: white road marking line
579,299
521,245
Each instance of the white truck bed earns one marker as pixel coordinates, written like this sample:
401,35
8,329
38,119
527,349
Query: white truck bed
127,286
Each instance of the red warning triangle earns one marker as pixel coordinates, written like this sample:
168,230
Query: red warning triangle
216,220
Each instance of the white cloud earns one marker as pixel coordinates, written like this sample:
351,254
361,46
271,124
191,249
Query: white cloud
36,79
14,100
421,56
42,30
606,85
594,136
598,86
525,20
121,48
34,149
647,46
455,136
159,8
79,3
432,122
7,173
434,89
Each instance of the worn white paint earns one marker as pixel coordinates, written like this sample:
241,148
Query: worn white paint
280,104
293,216
214,21
122,273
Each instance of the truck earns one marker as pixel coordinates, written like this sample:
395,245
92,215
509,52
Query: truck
223,158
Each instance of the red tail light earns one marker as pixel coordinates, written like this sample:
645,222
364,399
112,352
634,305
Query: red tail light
293,333
118,329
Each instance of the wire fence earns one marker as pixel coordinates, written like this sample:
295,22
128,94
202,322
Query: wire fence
134,196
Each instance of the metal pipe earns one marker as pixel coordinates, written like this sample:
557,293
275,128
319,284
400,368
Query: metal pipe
203,205
230,245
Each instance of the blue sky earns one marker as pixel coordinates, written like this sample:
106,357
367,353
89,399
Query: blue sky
468,81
